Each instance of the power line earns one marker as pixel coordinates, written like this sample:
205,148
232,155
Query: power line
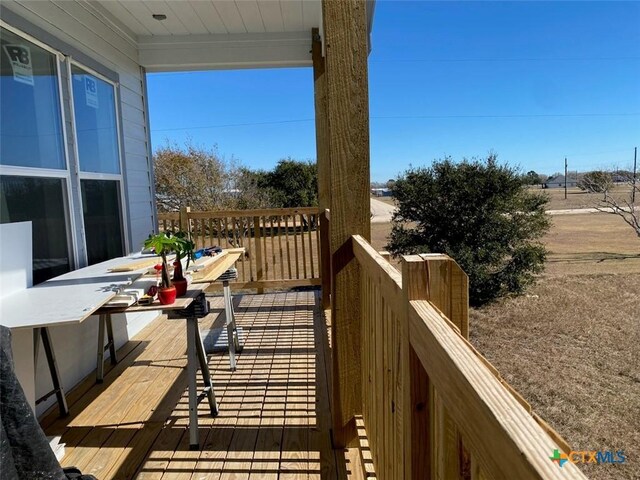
401,117
248,124
523,115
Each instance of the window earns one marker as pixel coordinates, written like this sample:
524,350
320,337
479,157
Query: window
96,127
34,174
31,122
41,201
102,222
66,199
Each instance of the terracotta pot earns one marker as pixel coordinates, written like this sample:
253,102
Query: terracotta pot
181,286
167,296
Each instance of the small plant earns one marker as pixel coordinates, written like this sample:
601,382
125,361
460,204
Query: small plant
164,243
184,247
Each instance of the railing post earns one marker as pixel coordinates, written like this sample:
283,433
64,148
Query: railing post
184,219
258,252
449,292
325,258
415,382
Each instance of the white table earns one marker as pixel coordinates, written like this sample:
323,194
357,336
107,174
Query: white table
74,296
65,300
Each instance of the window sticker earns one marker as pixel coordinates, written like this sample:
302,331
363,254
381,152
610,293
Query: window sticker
20,58
91,91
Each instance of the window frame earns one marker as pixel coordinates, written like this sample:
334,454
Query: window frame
81,175
64,174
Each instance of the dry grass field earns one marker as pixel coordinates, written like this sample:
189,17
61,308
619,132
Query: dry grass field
577,198
571,346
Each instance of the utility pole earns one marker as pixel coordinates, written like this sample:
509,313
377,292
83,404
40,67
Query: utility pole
565,178
635,174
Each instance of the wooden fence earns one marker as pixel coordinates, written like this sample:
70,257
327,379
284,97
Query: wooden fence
282,245
432,407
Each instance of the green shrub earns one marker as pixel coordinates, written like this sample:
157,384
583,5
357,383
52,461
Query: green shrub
480,214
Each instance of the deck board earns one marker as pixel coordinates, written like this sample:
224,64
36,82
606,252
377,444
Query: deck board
274,410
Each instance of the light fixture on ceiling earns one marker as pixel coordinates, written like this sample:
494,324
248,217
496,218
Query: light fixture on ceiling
159,16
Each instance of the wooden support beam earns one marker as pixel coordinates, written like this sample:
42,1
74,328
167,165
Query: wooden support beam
323,162
347,123
415,406
322,128
325,258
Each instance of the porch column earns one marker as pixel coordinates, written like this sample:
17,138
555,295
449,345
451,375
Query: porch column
347,136
323,161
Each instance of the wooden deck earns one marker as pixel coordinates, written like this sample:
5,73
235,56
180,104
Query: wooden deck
274,412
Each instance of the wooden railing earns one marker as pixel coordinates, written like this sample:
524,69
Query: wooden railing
432,406
282,245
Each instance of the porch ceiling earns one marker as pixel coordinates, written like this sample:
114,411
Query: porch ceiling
218,34
201,17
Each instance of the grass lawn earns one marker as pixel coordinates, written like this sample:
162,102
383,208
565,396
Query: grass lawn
571,346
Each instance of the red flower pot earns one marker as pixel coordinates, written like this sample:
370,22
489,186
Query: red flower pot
181,287
167,296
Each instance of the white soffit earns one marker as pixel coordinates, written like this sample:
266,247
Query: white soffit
198,17
218,34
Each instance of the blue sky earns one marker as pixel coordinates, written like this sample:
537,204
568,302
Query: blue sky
532,81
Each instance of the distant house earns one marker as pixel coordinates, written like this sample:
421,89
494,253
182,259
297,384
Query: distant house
558,181
381,192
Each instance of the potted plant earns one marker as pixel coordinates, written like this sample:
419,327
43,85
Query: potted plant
164,243
183,248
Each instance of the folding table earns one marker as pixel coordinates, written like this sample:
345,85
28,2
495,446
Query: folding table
190,307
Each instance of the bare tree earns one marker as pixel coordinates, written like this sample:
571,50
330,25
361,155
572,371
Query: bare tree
200,178
627,208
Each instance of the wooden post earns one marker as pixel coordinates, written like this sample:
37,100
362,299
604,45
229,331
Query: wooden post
258,251
184,219
347,107
415,382
322,122
449,292
323,162
325,258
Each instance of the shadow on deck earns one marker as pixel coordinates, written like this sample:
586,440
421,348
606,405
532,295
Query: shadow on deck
274,410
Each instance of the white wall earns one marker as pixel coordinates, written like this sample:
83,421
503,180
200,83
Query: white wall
85,29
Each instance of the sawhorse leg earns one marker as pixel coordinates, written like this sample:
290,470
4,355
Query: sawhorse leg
105,321
196,353
230,321
43,334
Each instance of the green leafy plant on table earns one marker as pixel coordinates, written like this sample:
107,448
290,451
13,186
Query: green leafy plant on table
165,243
